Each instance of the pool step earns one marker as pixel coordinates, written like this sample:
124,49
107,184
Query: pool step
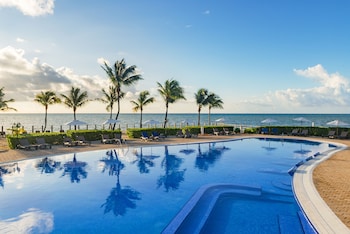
196,211
290,224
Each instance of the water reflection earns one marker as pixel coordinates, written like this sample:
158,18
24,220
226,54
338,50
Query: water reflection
173,175
120,198
7,170
208,158
76,170
31,221
48,165
144,162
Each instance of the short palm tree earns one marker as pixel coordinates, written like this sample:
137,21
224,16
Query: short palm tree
121,75
75,99
214,101
4,103
142,101
109,98
202,100
47,98
171,92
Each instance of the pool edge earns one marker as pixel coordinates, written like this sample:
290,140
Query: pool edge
316,209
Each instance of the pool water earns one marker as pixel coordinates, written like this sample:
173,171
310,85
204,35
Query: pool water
141,189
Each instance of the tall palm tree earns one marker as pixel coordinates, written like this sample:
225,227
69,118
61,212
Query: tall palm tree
120,75
47,98
171,92
75,99
214,101
142,101
4,103
201,100
109,98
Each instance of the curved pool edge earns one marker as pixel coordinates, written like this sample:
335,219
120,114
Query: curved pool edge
316,209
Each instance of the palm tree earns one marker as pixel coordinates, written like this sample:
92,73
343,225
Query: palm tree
142,101
214,101
47,98
120,75
109,98
4,103
75,99
171,92
201,100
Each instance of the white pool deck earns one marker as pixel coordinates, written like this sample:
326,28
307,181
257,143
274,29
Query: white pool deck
318,212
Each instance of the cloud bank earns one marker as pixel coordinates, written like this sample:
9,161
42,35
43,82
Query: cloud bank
30,7
332,92
23,79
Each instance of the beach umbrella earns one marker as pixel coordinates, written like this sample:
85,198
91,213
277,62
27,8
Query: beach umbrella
151,122
111,121
75,122
220,120
268,121
337,123
301,120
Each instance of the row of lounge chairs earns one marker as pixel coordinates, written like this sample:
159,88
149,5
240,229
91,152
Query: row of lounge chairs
40,144
117,139
225,131
154,136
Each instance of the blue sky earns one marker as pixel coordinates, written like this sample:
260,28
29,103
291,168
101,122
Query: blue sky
273,56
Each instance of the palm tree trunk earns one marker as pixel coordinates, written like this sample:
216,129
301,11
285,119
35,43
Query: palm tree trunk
141,119
209,116
116,117
199,116
75,118
45,119
166,115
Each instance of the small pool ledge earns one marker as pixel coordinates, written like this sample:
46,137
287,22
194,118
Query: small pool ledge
318,212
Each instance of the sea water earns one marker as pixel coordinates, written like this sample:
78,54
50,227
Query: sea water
95,120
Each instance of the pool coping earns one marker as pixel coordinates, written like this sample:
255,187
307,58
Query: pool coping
316,209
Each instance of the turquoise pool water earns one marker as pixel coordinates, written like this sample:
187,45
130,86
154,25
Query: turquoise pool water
141,189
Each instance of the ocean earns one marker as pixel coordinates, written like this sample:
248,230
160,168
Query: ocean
55,122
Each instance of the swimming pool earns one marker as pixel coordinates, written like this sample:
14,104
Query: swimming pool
144,188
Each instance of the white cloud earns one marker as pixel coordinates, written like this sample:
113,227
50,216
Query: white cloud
102,61
331,92
20,40
23,78
30,7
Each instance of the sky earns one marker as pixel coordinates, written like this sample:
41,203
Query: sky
274,56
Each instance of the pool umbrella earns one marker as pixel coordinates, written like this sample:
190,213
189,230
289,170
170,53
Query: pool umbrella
301,120
151,122
269,121
75,123
220,120
337,123
111,121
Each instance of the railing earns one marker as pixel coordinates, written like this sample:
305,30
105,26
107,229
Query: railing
123,127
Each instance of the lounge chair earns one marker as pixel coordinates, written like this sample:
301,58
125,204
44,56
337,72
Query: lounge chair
331,134
67,141
24,144
40,141
216,132
180,134
188,134
227,131
157,136
264,131
274,131
106,139
81,141
304,132
343,135
295,132
145,136
118,138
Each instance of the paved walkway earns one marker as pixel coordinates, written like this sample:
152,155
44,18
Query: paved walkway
331,177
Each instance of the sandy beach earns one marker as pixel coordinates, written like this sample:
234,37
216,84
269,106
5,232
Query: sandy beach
331,178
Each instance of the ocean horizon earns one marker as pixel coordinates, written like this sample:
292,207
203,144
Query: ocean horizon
56,121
